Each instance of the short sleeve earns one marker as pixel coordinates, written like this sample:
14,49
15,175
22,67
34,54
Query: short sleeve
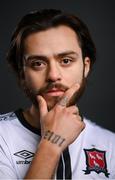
7,170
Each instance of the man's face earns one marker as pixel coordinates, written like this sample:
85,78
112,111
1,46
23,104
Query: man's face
53,63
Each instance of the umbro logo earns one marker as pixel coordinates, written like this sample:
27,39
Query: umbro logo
24,154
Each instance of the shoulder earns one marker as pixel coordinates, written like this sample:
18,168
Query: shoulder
8,124
7,116
99,133
6,120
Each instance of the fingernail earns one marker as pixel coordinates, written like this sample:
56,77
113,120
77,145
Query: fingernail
38,98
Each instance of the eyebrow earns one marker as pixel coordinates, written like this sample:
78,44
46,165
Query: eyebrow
62,54
65,53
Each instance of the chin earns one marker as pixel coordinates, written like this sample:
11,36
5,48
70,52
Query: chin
52,102
50,106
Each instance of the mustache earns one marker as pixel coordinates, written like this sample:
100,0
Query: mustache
49,87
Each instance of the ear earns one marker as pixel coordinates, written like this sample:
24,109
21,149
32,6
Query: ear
86,66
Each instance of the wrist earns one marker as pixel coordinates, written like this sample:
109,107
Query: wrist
50,147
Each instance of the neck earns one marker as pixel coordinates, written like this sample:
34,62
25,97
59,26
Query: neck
32,116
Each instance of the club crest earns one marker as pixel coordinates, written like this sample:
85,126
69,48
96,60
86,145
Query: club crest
96,161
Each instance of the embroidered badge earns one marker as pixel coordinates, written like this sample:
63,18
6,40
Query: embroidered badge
96,161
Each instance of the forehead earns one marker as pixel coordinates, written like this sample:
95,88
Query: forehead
53,40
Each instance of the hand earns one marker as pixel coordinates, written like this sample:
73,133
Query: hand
62,124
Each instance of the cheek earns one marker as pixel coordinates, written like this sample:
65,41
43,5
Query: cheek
74,76
34,80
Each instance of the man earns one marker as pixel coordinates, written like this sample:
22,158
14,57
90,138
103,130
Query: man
52,54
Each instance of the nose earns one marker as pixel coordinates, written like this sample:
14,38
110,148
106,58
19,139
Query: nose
54,73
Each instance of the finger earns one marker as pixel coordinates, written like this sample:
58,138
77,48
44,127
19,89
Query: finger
73,109
42,106
69,95
63,102
80,117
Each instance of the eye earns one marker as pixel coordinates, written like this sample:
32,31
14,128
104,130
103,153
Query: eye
66,61
37,64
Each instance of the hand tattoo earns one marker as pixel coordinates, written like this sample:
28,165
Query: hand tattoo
53,138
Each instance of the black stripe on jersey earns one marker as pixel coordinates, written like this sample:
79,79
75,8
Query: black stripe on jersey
67,160
23,121
60,169
64,166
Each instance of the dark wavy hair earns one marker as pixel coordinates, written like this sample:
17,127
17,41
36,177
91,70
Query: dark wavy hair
42,20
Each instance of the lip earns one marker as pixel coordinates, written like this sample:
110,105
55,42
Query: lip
54,92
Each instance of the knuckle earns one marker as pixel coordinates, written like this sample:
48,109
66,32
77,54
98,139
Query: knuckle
79,118
77,109
80,122
83,125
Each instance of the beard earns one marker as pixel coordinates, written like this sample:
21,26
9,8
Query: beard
51,102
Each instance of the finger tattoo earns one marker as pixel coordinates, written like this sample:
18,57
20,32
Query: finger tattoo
63,101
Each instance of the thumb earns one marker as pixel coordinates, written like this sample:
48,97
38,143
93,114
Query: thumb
42,106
